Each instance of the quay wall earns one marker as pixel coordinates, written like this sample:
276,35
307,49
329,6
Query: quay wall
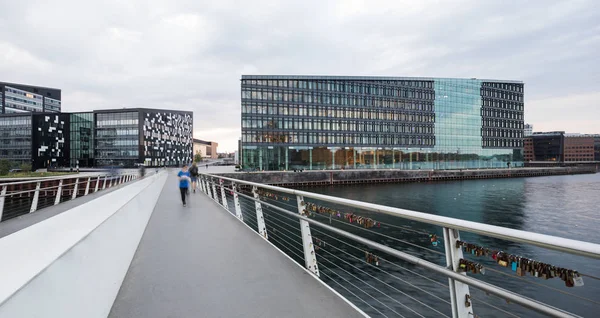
340,177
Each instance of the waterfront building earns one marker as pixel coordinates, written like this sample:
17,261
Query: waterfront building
208,149
557,146
596,147
528,151
528,130
332,122
579,147
116,137
20,98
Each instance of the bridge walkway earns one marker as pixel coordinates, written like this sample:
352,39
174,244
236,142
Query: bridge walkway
200,261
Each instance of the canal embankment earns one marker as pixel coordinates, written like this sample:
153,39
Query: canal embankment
345,177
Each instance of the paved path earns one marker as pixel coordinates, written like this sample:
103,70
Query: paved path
199,261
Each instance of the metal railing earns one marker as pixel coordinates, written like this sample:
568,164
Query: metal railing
309,227
22,197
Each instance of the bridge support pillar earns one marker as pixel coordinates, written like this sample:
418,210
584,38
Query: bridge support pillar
2,197
260,220
223,197
87,186
36,196
459,292
236,202
58,193
75,189
310,258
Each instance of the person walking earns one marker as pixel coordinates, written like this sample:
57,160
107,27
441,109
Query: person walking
194,174
184,182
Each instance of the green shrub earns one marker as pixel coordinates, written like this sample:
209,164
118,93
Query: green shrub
5,166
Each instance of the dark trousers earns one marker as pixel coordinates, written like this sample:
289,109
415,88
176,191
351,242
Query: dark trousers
183,194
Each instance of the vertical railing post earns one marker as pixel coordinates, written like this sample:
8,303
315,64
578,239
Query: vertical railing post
58,192
310,258
236,202
459,292
223,197
2,197
214,191
87,186
35,197
75,189
260,220
97,184
204,188
104,184
201,183
112,181
207,187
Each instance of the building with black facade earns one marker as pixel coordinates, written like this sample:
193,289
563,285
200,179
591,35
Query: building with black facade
117,137
152,137
331,122
548,146
20,98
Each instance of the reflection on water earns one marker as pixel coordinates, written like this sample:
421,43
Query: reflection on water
565,206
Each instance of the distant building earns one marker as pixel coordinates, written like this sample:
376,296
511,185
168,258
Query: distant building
548,146
579,148
208,149
596,147
117,137
332,122
557,146
528,154
528,130
20,98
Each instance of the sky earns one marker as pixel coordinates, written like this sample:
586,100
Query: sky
190,54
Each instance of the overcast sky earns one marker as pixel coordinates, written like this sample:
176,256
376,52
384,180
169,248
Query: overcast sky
189,54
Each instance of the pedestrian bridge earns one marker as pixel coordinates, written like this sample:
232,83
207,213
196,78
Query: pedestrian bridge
249,250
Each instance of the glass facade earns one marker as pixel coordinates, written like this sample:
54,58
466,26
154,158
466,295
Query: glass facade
51,105
82,139
19,101
117,138
305,122
15,138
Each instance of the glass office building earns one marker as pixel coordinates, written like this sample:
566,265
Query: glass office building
117,138
82,139
15,138
21,98
324,122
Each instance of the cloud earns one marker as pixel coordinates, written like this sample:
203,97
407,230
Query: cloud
189,54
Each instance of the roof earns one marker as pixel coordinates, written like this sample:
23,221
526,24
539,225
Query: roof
27,85
370,78
125,109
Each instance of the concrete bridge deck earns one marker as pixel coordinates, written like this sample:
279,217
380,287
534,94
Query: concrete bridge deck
199,261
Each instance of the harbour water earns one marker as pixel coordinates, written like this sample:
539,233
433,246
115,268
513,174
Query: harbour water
564,206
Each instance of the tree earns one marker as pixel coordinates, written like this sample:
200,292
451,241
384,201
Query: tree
5,166
198,156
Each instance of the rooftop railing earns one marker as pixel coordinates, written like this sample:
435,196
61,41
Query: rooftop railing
394,262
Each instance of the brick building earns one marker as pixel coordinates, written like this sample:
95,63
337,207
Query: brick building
578,147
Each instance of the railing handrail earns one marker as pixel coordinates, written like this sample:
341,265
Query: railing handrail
70,176
542,240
